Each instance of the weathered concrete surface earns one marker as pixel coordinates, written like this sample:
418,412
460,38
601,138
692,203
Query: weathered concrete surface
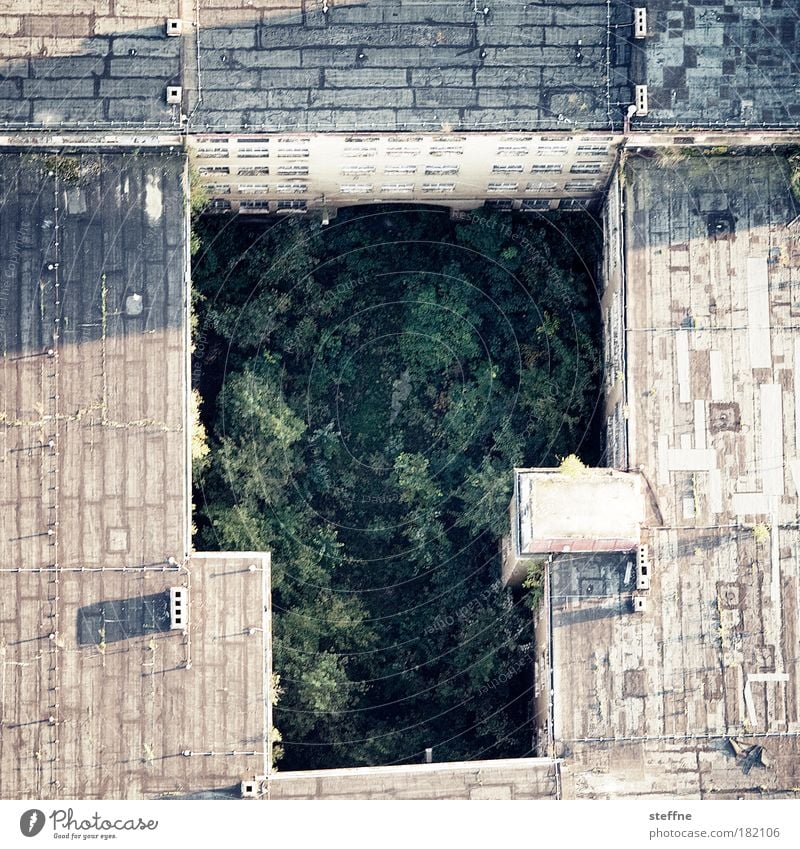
98,698
519,778
646,702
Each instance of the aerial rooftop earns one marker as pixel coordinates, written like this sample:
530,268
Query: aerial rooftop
101,697
577,509
90,63
733,64
674,699
599,507
695,692
400,65
119,706
517,778
94,347
289,65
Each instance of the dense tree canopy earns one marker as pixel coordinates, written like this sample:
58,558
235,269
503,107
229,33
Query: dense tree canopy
369,387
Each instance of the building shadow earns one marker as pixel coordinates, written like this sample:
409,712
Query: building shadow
121,619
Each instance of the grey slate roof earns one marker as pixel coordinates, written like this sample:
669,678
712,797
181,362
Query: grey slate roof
286,65
84,79
709,62
394,64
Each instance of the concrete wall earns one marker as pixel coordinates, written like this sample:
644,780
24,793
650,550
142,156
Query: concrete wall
612,308
517,778
543,733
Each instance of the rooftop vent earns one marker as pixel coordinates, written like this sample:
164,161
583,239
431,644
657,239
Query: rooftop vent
174,94
640,23
251,787
134,305
641,100
642,568
178,608
174,26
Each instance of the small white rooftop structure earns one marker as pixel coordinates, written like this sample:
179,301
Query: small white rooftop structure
583,510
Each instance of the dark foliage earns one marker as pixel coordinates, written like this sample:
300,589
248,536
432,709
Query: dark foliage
369,388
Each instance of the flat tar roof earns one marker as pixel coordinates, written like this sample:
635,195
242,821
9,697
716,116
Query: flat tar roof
720,63
645,703
587,510
95,360
91,63
116,705
285,65
394,65
288,66
98,698
514,778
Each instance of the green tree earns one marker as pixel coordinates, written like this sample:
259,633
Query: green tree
382,378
